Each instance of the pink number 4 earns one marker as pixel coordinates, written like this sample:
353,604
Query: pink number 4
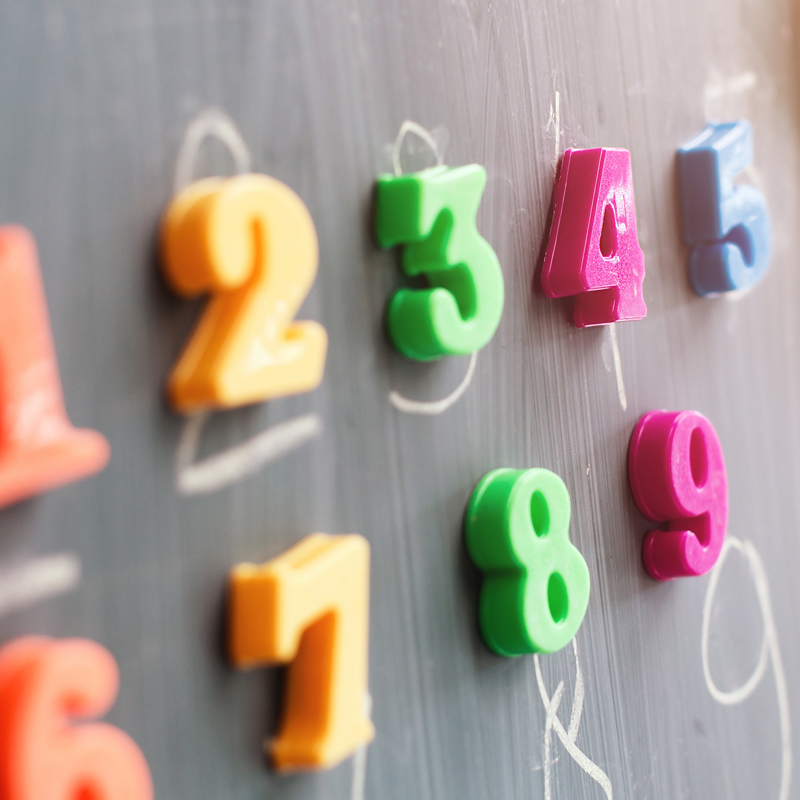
593,252
677,475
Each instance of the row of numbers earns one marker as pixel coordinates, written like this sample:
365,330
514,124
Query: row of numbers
250,242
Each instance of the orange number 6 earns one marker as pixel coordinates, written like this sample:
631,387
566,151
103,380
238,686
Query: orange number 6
310,606
39,447
44,682
251,242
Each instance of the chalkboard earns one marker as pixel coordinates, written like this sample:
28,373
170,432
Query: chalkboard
97,99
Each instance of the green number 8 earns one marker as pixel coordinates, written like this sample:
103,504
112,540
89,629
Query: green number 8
536,583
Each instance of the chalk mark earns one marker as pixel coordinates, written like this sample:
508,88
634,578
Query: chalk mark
409,126
770,652
360,760
434,406
568,737
230,465
37,580
623,400
236,462
214,123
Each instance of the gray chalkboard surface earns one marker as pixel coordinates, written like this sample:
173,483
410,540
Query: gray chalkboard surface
96,100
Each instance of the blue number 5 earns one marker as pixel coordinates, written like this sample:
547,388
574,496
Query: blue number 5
727,227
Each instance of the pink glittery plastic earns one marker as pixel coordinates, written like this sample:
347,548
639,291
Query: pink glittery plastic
593,251
677,475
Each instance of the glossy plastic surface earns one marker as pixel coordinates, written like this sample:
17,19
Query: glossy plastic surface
677,475
310,607
593,252
44,685
251,243
727,226
433,214
536,584
39,447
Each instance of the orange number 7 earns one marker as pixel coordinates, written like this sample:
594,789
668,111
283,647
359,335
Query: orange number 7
310,607
251,242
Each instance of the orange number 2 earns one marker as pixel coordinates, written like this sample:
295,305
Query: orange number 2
44,682
310,607
39,447
250,241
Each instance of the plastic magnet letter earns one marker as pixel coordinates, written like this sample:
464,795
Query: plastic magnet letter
593,252
39,447
44,683
727,227
677,475
251,243
433,213
310,607
536,583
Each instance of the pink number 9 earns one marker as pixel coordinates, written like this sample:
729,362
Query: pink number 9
677,475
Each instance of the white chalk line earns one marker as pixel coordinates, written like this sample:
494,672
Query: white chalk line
554,120
37,580
717,88
623,400
230,465
409,126
568,737
360,760
769,652
434,406
215,123
405,404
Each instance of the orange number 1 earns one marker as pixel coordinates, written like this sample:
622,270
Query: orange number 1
310,606
251,242
39,447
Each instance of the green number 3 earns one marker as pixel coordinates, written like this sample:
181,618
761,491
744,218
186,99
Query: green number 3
433,213
536,583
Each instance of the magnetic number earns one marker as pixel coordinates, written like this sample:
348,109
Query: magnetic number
593,252
39,447
433,213
250,241
536,584
677,475
727,227
310,607
44,683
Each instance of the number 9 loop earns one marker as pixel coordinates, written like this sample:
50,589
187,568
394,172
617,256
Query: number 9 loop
677,475
536,583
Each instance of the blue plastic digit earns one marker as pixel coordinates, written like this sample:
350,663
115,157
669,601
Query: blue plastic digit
727,227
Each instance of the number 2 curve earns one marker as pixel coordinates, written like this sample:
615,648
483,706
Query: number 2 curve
251,242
